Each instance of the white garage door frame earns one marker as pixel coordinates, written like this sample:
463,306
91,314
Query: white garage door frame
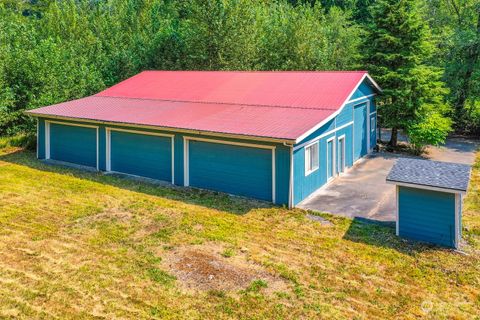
186,157
108,146
47,136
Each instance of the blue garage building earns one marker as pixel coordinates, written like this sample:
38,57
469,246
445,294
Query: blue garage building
274,136
429,200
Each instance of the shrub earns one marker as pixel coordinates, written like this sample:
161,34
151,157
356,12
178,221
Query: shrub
429,130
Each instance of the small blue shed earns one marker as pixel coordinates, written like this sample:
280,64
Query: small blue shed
429,200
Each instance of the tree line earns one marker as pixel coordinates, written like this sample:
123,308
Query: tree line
425,53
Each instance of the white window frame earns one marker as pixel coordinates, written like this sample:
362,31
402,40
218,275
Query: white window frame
308,161
334,160
373,124
108,147
343,137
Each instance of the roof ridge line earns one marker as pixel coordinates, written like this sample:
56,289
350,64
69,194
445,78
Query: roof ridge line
211,102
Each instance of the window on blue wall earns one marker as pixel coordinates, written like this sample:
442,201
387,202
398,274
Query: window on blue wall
372,124
311,158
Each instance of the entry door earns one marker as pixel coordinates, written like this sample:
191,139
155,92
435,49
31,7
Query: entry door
330,158
341,154
360,131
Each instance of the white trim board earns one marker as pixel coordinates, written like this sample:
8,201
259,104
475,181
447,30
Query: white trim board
419,186
344,155
323,135
186,157
47,138
108,152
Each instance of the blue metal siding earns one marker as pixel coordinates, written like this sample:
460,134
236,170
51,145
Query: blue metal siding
345,116
360,131
330,125
142,155
232,169
365,89
306,185
73,144
427,215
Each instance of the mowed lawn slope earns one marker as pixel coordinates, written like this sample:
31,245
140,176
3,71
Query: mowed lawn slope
75,244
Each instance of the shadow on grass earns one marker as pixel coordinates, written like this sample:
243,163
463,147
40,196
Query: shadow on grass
382,234
205,198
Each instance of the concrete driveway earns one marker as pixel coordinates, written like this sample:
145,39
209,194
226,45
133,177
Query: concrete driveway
362,191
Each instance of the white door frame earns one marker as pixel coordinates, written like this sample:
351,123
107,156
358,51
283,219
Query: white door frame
47,136
186,157
108,146
367,102
342,138
334,158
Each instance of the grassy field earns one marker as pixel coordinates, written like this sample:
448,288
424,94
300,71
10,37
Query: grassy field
85,245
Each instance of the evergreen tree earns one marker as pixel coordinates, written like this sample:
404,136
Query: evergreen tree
398,48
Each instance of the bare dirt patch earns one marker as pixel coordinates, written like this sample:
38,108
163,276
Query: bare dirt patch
203,268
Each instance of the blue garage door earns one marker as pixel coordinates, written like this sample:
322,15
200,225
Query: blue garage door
360,131
73,144
239,170
142,155
427,215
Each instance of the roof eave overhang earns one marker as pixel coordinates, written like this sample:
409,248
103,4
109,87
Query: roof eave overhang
425,187
285,141
333,115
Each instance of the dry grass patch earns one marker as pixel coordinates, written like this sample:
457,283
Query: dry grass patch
204,268
82,245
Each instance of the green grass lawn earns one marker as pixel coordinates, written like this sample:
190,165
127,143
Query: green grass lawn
76,244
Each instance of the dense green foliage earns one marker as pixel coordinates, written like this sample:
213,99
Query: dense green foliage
52,51
398,50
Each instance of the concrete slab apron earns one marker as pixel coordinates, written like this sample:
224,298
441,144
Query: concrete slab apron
362,191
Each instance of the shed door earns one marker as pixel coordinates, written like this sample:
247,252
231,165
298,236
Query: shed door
427,215
360,131
73,144
239,170
141,155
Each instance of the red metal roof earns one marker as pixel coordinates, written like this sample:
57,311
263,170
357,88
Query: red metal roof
281,105
289,89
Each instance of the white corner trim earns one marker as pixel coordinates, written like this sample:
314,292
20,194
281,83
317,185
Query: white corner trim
397,221
290,186
273,175
419,186
108,144
187,139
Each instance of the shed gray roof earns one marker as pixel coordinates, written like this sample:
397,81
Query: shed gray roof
445,175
